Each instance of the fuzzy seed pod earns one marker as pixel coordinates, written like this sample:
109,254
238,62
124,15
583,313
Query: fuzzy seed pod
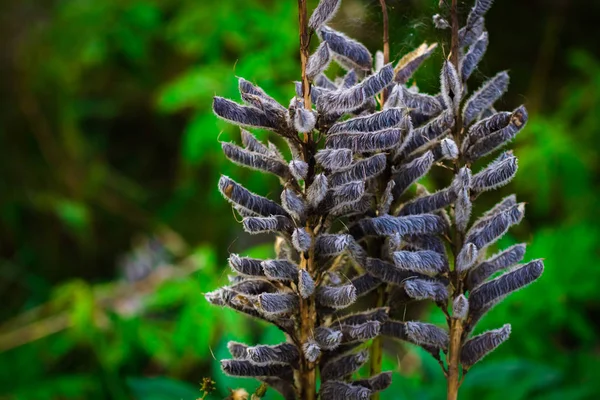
466,258
439,22
318,62
385,119
282,270
285,353
331,244
311,350
361,170
377,314
451,86
485,97
474,55
237,350
377,382
241,115
241,196
278,223
317,190
365,142
449,149
301,239
349,80
327,338
423,262
246,266
246,368
293,204
468,34
423,103
386,199
427,204
498,173
252,144
378,81
480,346
324,12
299,169
460,307
426,334
494,227
343,366
421,289
409,173
334,159
347,52
360,333
500,287
462,209
336,296
410,62
410,224
336,390
496,263
277,303
426,135
306,285
304,120
387,272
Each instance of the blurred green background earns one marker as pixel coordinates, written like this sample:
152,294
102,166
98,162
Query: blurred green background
111,227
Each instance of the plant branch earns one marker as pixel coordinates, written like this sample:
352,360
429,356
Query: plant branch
304,52
386,44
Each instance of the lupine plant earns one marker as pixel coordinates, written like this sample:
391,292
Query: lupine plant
347,227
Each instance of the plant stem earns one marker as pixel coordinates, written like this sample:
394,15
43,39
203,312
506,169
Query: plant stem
304,51
376,350
456,325
386,47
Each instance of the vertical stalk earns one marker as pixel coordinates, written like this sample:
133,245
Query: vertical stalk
456,325
376,351
386,46
306,378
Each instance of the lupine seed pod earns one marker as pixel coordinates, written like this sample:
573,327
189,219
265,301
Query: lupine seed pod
371,123
395,329
509,282
299,169
365,142
317,190
323,81
451,86
424,103
349,80
409,173
497,139
327,338
426,262
336,296
311,350
318,62
495,226
246,266
277,303
246,368
377,314
462,209
468,34
306,285
422,289
293,204
285,353
241,115
498,173
251,143
478,347
387,272
388,225
361,170
426,135
239,195
343,366
376,383
342,100
332,244
348,52
496,263
334,159
280,270
324,12
410,62
237,350
485,97
473,56
304,120
337,390
278,224
375,83
430,203
460,307
386,199
360,333
426,334
467,257
301,239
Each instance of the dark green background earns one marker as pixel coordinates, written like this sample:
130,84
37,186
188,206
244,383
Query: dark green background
107,137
